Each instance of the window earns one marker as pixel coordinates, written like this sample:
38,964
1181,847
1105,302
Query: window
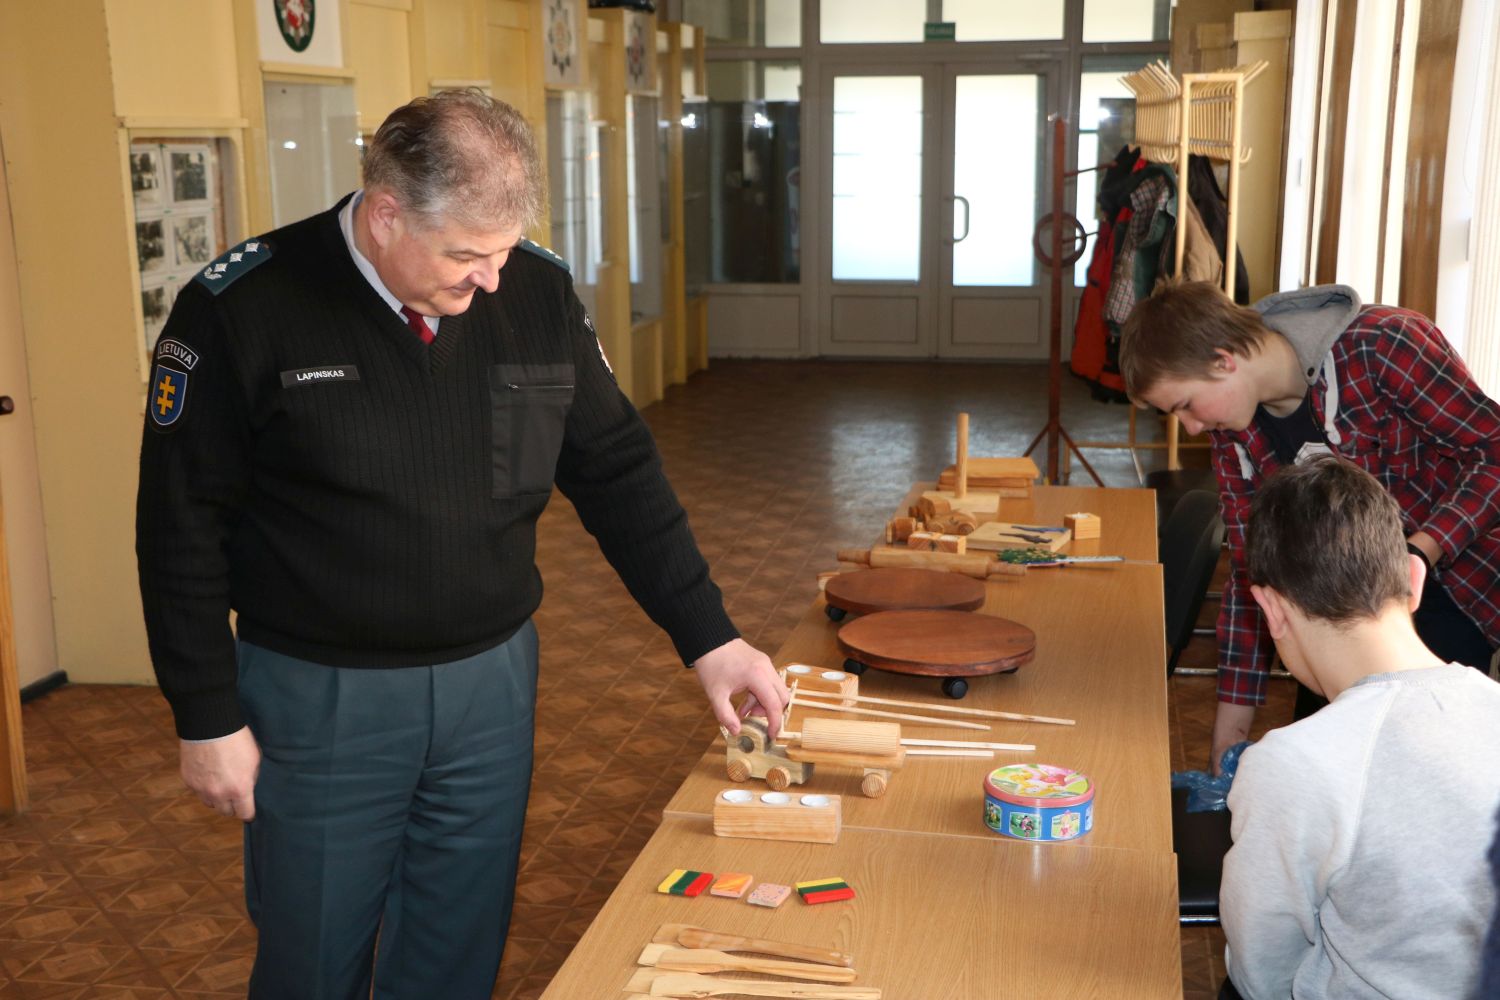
754,168
764,24
1127,20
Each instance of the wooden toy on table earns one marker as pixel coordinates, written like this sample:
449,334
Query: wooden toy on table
996,536
873,747
670,958
1083,526
932,541
979,565
690,936
655,983
953,645
807,819
864,592
968,490
837,684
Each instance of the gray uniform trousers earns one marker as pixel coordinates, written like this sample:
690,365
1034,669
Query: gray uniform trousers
389,806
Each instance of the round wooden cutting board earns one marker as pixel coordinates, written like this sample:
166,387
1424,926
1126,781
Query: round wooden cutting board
947,644
867,591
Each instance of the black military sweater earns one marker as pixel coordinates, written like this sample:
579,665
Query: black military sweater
361,499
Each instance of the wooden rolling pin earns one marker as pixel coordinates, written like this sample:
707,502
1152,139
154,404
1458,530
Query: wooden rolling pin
849,736
978,566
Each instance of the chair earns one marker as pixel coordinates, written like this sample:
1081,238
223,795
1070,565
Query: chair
1189,551
1191,539
1200,841
1172,484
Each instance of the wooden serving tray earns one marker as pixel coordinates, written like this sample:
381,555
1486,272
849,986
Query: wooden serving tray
867,591
948,644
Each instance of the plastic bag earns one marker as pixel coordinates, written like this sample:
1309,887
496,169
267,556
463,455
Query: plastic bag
1205,792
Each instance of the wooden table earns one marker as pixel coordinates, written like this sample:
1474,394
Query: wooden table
1128,517
948,910
1100,660
935,918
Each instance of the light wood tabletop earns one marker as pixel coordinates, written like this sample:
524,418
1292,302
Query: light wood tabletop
1100,660
934,918
1127,516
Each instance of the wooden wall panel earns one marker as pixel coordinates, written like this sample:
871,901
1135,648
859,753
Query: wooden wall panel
1334,134
1427,144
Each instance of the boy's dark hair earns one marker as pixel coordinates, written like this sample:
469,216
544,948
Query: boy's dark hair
1328,538
1176,332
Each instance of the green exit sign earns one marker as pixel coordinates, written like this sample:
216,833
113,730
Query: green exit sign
938,31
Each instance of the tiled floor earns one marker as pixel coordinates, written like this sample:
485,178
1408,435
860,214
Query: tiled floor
118,884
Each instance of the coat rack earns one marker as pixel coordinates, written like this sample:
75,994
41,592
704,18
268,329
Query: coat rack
1212,105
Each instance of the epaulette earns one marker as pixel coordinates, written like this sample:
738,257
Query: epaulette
544,253
234,264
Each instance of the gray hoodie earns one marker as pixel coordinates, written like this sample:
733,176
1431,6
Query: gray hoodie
1311,319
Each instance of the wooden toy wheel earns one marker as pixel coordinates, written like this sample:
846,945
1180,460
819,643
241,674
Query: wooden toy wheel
739,770
955,687
834,614
874,785
779,778
854,667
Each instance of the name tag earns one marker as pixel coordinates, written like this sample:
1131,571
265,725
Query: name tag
311,376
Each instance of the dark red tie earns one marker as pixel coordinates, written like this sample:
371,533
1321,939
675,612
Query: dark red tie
418,324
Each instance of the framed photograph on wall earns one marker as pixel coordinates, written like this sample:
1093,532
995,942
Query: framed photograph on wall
190,182
151,245
177,189
192,240
146,175
156,303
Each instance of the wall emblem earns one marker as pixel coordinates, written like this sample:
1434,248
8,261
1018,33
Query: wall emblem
295,18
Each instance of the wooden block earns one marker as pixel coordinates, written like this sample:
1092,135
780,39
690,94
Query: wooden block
931,505
819,884
899,529
831,896
928,541
1083,525
769,894
987,472
958,523
732,884
997,536
807,819
819,681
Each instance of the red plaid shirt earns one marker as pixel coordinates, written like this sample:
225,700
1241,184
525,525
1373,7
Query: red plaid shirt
1411,415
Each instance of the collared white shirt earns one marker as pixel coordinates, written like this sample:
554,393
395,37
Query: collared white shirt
346,225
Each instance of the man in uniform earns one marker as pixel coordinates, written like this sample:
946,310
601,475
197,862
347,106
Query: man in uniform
353,425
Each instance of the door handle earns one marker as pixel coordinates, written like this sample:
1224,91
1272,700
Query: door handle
7,405
960,239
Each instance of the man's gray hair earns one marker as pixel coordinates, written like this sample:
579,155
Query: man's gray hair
460,156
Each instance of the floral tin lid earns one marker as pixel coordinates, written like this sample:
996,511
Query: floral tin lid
1041,785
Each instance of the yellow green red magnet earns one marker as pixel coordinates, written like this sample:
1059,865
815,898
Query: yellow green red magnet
824,890
732,884
683,882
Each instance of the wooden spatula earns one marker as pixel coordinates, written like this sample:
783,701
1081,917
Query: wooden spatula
690,936
674,959
650,982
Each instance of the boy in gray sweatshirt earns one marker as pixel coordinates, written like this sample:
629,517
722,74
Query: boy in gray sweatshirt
1360,833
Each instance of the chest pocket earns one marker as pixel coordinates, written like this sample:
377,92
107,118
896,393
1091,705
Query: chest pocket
528,412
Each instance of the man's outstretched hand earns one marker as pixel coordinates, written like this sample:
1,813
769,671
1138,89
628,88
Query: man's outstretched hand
738,666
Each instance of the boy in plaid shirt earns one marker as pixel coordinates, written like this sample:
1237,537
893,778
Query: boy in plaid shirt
1314,371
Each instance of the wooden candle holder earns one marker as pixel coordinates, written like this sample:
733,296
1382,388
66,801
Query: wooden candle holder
817,680
750,815
1083,525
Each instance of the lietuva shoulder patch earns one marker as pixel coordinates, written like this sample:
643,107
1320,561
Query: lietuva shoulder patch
544,253
233,265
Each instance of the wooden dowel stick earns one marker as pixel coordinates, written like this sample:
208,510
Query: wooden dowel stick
925,720
935,707
950,753
968,745
961,459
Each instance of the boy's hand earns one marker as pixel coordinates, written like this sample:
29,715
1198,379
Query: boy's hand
1231,726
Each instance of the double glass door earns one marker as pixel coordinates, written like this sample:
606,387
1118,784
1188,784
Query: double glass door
936,176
